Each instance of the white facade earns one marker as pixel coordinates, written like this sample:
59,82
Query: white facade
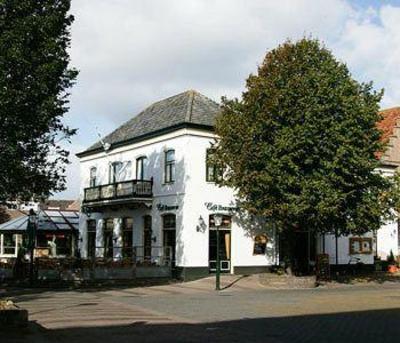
174,219
386,240
190,197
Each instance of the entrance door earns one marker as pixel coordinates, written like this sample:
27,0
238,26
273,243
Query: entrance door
169,238
224,250
169,242
147,238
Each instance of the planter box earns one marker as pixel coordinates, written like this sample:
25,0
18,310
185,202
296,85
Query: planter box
113,273
48,274
13,318
153,272
6,273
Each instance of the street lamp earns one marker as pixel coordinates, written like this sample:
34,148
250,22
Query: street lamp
218,222
31,241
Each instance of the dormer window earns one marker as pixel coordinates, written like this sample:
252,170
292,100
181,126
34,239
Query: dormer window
169,172
92,178
140,164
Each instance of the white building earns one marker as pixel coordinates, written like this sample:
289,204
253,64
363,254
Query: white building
151,190
148,192
387,239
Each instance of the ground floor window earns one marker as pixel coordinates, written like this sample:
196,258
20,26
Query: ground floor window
91,238
9,244
260,244
108,237
360,245
127,237
53,244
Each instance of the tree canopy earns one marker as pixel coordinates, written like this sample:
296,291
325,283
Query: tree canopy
300,147
34,83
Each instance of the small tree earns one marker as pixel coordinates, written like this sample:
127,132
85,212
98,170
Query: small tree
34,83
300,147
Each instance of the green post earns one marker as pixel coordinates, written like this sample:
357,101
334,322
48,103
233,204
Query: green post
218,269
31,242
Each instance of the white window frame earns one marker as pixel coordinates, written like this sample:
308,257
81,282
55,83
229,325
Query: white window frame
17,241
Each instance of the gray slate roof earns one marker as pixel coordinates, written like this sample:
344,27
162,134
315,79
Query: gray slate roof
189,107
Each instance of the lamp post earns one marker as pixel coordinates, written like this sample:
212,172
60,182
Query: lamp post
218,223
31,243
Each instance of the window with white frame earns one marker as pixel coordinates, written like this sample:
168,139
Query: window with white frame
93,175
169,172
9,244
140,164
115,171
213,172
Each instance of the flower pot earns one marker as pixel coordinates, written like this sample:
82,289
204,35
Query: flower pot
393,269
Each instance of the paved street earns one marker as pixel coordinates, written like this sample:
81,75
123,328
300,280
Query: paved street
194,312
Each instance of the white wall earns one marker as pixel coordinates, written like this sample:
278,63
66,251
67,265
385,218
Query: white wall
387,240
190,193
198,193
343,250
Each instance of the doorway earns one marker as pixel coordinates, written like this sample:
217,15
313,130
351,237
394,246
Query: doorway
169,238
224,245
298,248
147,238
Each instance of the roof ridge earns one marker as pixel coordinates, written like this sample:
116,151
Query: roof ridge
389,109
189,111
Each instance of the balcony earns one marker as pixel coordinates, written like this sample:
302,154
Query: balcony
119,192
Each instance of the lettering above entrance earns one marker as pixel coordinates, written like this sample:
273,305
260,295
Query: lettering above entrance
217,207
163,207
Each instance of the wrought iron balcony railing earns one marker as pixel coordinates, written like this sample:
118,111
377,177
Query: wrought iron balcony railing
119,190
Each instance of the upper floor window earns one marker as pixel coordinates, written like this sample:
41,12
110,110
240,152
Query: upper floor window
115,171
93,181
140,163
213,173
169,173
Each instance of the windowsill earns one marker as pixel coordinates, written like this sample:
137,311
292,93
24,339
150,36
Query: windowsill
168,183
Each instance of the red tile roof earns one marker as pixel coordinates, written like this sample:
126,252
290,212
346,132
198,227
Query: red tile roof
390,117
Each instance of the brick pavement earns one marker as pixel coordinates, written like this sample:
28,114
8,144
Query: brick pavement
194,312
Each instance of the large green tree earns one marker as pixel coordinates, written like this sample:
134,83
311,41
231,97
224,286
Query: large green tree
34,83
300,146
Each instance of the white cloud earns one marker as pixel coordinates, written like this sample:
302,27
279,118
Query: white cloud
372,50
131,53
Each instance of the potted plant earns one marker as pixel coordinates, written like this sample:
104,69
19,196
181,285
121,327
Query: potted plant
392,267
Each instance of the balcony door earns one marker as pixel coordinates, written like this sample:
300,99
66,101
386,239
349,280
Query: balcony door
115,171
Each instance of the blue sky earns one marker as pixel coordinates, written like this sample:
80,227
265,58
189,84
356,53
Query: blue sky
132,53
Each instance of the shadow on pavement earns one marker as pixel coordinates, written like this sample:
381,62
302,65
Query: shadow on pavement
364,326
234,282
